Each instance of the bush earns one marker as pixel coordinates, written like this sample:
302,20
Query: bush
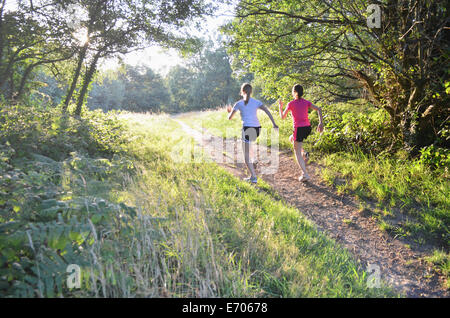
435,157
52,173
49,133
350,130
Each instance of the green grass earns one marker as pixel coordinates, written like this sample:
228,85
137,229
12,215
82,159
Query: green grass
261,247
216,121
441,260
402,188
399,186
141,224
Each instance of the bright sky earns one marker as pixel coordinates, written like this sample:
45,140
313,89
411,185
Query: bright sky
155,57
161,60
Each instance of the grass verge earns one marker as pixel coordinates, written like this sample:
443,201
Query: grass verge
411,199
139,223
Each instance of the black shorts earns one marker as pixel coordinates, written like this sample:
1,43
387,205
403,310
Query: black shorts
301,133
249,134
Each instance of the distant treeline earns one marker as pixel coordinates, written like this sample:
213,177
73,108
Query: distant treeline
205,81
61,44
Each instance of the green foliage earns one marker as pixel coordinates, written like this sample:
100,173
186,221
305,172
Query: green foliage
28,42
350,130
129,88
37,251
436,157
46,209
51,134
330,48
179,81
205,82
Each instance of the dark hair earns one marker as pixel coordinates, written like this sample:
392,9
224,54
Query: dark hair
247,88
298,89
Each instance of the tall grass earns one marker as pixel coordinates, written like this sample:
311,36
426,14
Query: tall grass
398,186
226,239
411,197
141,224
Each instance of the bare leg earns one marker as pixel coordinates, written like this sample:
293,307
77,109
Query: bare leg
298,148
246,148
251,152
253,155
305,158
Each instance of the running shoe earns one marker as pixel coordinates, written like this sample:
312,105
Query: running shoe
251,179
302,178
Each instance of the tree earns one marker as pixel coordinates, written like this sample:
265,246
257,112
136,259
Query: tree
205,82
213,85
89,31
27,42
133,88
179,82
401,67
120,26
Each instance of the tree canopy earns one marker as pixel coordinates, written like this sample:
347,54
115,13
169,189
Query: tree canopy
330,46
83,32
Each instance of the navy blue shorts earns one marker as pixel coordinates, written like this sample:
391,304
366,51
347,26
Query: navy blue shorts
301,133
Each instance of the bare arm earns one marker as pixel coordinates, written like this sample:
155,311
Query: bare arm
284,113
319,112
231,112
264,108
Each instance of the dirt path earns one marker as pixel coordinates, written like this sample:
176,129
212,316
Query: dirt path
338,216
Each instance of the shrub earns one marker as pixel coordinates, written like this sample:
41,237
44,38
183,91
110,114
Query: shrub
49,133
436,157
52,173
347,131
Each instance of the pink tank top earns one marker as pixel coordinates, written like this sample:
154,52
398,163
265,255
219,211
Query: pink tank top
299,109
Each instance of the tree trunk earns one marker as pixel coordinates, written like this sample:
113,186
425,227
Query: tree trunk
87,80
24,80
1,30
11,86
28,70
81,58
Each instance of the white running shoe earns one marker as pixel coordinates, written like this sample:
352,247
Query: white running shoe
302,178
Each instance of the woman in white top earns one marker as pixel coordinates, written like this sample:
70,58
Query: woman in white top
251,127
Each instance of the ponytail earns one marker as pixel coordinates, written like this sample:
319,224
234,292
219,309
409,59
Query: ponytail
246,89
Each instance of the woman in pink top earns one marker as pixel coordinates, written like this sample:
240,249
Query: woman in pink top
302,127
